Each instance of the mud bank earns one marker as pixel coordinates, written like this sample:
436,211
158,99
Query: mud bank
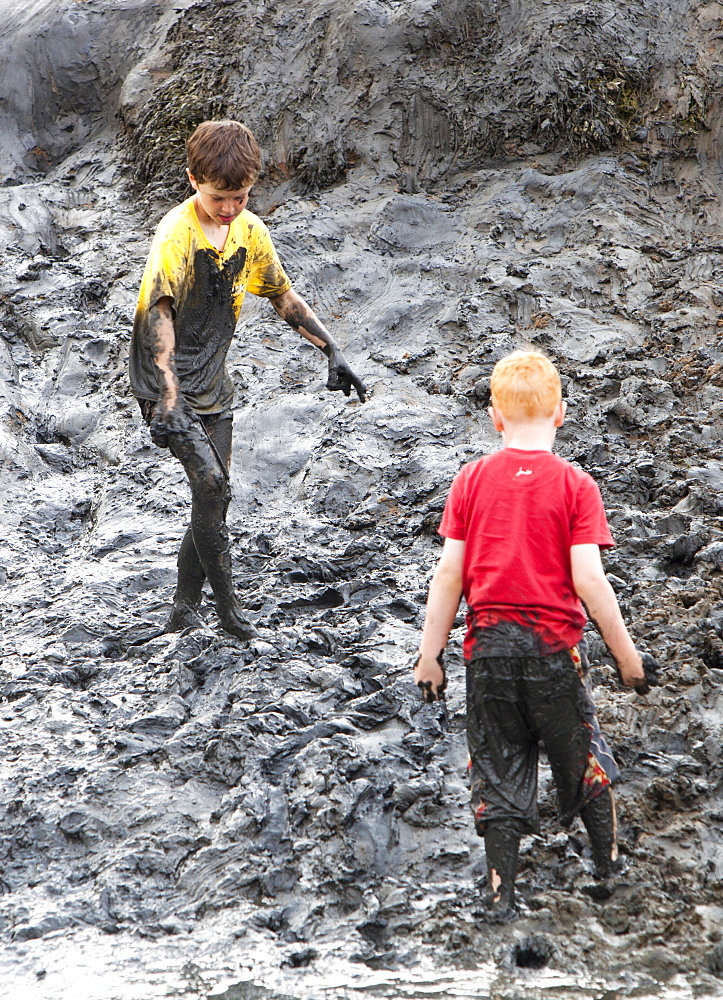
183,813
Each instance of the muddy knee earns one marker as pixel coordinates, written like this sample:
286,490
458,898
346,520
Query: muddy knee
203,466
210,488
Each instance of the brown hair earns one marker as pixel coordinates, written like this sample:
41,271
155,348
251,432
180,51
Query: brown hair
224,154
525,385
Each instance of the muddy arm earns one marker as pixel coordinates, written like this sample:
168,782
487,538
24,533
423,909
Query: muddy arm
169,415
445,593
160,317
594,590
299,315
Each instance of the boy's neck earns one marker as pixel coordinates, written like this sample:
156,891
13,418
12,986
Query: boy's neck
536,435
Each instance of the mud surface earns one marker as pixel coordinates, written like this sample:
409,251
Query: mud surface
189,814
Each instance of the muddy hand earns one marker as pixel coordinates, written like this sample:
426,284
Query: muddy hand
431,678
342,377
652,670
651,678
167,421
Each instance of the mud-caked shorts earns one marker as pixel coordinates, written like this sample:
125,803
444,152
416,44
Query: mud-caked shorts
210,421
514,705
217,427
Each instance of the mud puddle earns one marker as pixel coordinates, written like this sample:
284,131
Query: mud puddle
165,971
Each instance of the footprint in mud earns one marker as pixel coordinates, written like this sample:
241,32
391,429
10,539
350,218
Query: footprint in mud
532,952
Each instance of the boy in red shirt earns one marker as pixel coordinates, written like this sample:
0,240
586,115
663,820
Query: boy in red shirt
523,530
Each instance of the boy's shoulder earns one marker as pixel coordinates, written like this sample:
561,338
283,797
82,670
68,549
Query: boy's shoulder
251,229
178,216
515,463
250,219
182,217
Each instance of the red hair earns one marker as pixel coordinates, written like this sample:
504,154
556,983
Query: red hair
525,385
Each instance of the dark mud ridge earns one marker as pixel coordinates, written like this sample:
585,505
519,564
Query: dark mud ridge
445,180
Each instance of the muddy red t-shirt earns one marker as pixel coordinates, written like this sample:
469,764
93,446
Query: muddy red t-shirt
518,513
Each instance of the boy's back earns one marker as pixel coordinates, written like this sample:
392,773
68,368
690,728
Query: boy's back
523,532
519,512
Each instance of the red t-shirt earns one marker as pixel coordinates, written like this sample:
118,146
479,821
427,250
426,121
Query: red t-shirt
518,513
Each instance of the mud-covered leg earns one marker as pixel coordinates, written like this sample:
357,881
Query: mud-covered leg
212,544
210,493
503,775
600,821
502,845
189,587
582,764
191,574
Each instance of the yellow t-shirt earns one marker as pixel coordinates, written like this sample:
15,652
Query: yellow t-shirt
207,288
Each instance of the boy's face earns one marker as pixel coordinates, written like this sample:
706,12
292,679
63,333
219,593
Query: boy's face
218,205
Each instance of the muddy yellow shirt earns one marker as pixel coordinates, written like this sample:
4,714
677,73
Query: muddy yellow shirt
207,287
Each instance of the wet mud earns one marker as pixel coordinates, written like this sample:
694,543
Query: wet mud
189,814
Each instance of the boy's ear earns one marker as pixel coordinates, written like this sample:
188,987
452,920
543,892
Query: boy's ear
191,180
496,418
560,411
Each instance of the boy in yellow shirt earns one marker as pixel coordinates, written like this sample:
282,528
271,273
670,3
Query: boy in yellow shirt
206,254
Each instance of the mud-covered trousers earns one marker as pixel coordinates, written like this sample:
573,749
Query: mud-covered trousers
204,450
514,704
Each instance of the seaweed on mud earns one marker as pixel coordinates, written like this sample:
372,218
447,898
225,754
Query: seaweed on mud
210,79
163,125
691,118
321,164
577,113
601,111
444,108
